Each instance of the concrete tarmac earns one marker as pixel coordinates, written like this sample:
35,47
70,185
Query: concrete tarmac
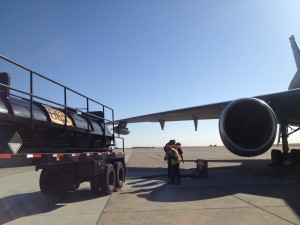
237,191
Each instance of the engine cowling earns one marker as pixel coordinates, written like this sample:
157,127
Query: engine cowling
248,127
122,130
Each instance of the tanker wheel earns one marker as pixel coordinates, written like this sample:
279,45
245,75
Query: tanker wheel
104,183
120,175
95,185
50,183
108,180
75,186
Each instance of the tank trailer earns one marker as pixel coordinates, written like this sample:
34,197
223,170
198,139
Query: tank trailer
69,145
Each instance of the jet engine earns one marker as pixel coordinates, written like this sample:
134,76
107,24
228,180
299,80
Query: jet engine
120,129
248,127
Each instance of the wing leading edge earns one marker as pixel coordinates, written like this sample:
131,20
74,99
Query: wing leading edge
212,111
284,104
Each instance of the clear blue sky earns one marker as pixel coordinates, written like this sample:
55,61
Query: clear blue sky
142,57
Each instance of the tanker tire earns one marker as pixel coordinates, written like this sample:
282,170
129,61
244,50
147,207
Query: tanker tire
107,180
95,185
50,183
120,175
75,186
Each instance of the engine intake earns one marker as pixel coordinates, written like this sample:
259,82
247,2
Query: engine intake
248,127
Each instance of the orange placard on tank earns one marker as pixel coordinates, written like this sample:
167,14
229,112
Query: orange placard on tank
58,117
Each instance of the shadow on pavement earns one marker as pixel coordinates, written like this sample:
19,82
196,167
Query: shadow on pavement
250,177
22,205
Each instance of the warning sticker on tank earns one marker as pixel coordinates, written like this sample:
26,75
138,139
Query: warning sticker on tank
58,117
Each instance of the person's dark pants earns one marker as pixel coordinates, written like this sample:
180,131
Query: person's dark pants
169,169
176,174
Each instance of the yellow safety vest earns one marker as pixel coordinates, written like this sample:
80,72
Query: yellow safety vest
175,160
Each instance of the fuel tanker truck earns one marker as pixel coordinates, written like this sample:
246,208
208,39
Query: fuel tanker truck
69,145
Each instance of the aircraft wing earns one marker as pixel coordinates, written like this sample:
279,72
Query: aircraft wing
247,126
212,111
284,104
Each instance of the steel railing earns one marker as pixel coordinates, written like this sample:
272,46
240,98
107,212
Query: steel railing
66,108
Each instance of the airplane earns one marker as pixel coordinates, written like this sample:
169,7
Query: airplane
247,126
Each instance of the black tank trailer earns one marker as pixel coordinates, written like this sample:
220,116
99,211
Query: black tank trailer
68,145
47,132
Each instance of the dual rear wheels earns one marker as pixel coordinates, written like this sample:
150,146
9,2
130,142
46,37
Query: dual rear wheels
58,181
112,179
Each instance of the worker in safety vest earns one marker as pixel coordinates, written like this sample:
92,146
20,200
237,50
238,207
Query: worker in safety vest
179,150
175,162
167,158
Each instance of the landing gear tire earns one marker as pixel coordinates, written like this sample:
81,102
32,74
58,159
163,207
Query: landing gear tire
120,175
277,157
295,156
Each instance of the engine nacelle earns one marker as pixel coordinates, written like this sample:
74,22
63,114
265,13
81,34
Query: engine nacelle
122,130
248,127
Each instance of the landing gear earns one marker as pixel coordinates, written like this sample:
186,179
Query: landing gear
295,156
279,157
